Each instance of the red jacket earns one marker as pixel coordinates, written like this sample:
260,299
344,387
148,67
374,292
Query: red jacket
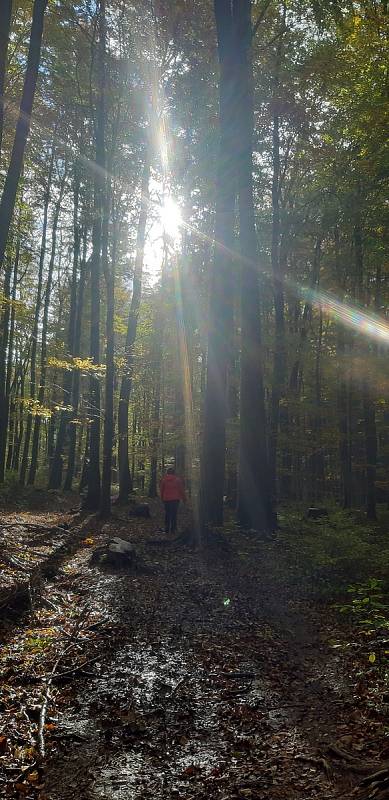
172,488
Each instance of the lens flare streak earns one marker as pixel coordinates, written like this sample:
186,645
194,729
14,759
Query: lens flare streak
370,325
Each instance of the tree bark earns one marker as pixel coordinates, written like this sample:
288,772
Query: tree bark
125,477
92,501
75,395
45,322
370,450
6,352
157,359
5,25
8,198
56,470
213,456
343,395
4,394
254,497
297,368
35,329
317,459
368,405
109,274
278,259
19,428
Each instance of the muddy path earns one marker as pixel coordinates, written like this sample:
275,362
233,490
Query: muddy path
213,683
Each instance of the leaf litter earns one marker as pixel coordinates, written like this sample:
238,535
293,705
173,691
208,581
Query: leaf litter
151,685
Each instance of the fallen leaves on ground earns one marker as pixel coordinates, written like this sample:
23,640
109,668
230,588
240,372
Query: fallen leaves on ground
195,678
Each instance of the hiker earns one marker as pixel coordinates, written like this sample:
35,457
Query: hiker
172,490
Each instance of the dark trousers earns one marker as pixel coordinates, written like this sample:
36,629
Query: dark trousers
171,509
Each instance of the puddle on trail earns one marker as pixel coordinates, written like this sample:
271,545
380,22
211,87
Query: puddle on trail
160,720
163,756
151,721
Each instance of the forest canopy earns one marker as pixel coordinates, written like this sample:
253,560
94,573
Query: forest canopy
194,251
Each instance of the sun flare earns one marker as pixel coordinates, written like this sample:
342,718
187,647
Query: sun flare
171,217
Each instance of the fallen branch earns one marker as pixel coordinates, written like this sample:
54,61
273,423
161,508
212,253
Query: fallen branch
31,526
235,675
49,680
76,668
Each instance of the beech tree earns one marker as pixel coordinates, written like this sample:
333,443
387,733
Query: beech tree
10,188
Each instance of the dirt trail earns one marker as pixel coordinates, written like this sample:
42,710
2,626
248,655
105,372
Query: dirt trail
215,687
211,681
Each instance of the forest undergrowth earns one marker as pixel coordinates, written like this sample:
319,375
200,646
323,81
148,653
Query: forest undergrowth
246,670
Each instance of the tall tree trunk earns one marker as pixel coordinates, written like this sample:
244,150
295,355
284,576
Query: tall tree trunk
254,497
369,414
6,353
85,462
109,274
35,328
343,395
298,365
278,263
317,460
133,442
157,359
92,501
370,449
76,377
213,455
45,323
5,25
66,412
278,260
368,405
344,421
125,479
8,198
155,421
4,396
20,424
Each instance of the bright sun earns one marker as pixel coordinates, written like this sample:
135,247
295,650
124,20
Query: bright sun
171,217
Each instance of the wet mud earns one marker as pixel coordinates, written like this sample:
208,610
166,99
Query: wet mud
215,684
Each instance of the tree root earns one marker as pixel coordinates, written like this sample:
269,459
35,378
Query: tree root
319,762
352,763
375,786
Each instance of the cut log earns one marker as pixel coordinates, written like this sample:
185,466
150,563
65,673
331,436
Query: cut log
116,554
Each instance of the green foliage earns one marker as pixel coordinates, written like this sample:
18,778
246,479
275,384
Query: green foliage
328,555
368,611
367,604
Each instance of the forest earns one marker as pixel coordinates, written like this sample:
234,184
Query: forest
194,257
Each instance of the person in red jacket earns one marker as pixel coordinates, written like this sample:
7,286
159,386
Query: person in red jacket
172,490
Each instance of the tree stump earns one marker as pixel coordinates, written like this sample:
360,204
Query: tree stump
116,554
